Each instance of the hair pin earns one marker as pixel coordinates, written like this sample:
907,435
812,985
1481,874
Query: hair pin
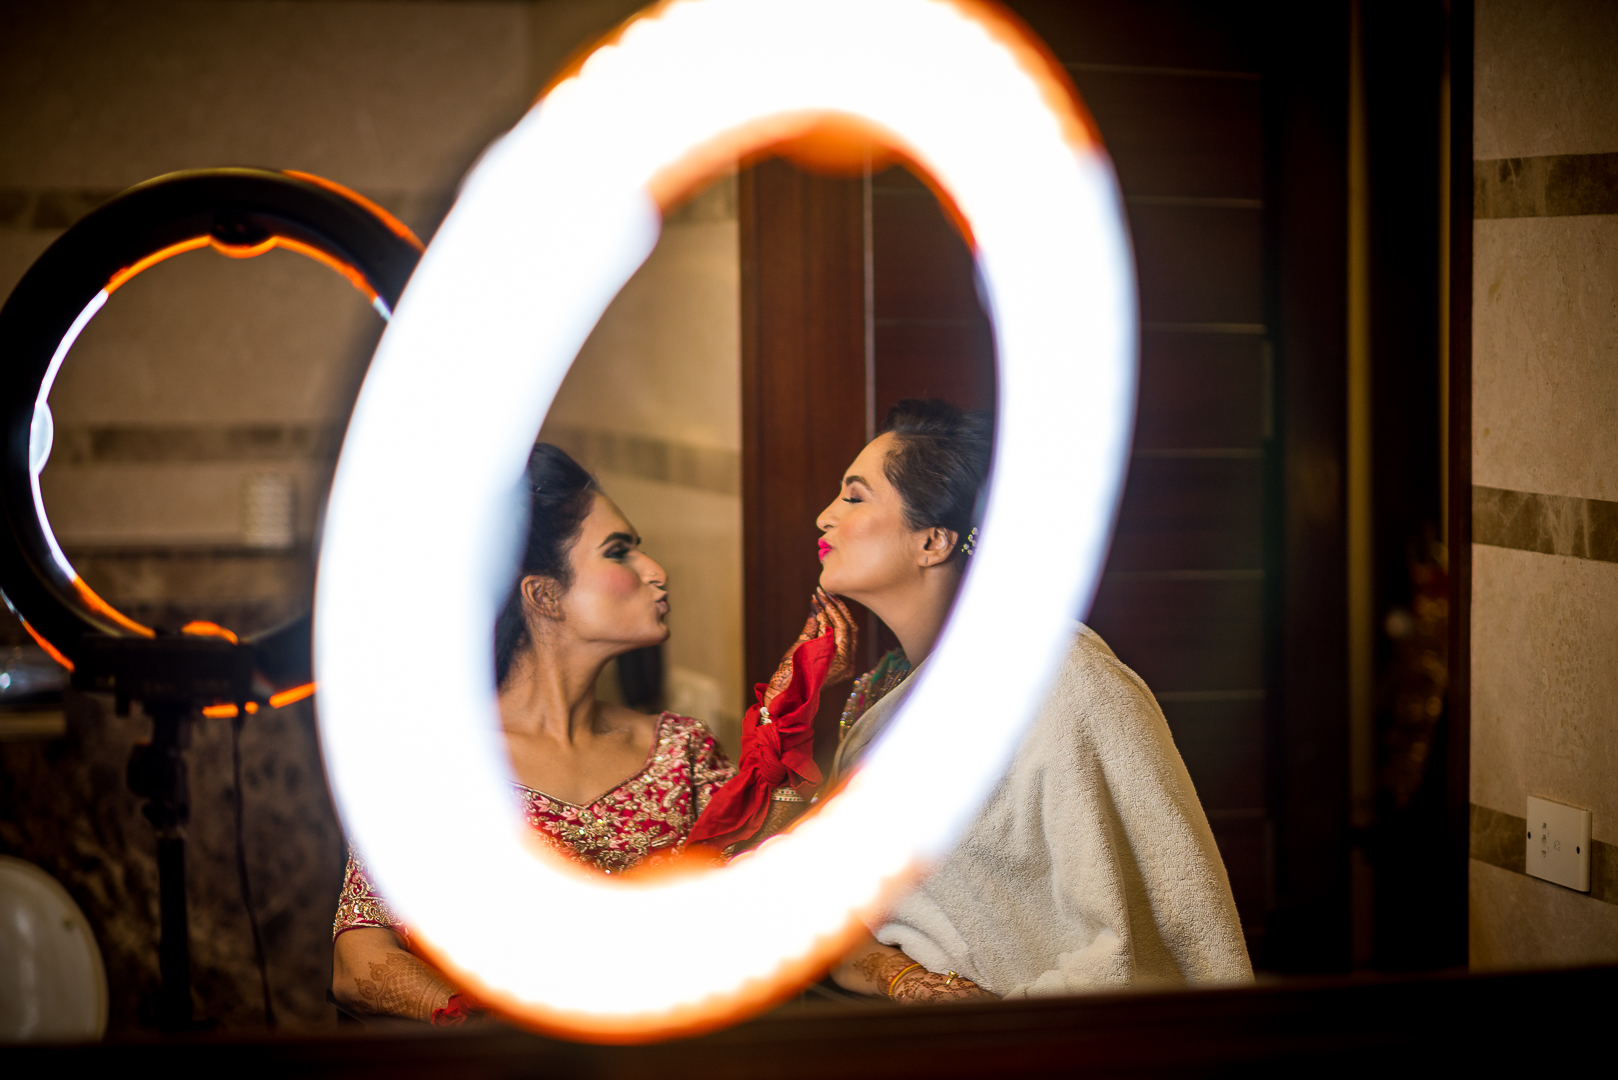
971,542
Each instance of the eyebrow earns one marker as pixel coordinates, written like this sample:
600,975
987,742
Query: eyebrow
855,479
619,538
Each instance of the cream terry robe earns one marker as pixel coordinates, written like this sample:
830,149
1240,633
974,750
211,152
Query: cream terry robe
1091,866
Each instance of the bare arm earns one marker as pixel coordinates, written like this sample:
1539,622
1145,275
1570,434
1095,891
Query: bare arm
872,968
373,974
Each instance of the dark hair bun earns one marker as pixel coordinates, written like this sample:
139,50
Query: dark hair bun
560,495
939,462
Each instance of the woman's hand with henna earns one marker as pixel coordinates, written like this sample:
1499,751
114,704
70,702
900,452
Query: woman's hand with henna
883,971
923,987
826,614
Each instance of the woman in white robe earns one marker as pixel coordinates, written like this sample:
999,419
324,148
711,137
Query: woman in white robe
1092,865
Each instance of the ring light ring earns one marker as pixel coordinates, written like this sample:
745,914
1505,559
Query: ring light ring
238,212
420,525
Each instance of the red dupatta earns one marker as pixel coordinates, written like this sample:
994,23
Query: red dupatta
778,733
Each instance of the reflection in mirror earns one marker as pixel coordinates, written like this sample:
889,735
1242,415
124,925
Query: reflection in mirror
652,407
883,258
196,425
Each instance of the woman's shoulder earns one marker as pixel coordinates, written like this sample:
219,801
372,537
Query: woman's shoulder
691,739
1092,677
673,725
685,730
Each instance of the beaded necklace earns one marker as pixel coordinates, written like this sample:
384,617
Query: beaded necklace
871,688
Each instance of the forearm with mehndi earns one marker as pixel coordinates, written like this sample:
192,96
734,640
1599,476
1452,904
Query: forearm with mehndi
401,985
908,983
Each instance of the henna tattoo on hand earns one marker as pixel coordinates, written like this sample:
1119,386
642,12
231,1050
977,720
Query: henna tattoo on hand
403,986
826,613
917,986
923,987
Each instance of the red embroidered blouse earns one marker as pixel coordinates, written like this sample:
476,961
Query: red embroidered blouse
652,810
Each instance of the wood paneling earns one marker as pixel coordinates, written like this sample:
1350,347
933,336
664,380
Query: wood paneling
1185,635
1201,391
803,385
1307,190
1191,514
1199,264
1186,137
1220,738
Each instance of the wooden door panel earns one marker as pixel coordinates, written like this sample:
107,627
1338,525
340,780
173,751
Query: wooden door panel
1185,635
1219,738
803,385
923,268
1188,136
1199,264
1185,34
952,362
1201,391
1190,515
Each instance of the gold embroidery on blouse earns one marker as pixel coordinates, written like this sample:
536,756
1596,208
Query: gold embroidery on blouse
651,811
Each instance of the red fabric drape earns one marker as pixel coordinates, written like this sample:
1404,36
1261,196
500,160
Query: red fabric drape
774,754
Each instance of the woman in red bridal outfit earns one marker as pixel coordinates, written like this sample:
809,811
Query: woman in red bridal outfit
602,784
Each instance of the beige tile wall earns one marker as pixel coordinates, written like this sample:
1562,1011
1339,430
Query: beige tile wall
664,364
1545,683
396,100
1545,420
1545,354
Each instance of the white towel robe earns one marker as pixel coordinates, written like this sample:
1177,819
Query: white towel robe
1091,867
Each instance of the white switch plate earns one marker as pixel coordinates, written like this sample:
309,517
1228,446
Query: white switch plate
1559,843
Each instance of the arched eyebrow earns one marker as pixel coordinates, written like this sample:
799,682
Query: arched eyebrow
620,538
852,479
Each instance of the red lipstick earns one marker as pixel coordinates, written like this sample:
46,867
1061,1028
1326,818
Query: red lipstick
824,548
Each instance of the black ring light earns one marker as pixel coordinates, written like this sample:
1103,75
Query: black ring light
239,213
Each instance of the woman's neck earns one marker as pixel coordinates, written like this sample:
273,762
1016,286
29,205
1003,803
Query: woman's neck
552,691
916,613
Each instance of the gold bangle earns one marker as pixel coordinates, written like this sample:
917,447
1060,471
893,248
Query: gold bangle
902,973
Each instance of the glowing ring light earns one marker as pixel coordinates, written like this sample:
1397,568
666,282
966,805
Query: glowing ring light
419,532
237,212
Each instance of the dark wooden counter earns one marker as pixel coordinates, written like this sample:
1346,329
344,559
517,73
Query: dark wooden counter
1394,1027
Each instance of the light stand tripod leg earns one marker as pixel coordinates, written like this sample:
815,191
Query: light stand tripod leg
157,771
174,947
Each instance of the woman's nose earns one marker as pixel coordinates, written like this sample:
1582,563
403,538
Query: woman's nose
654,574
828,518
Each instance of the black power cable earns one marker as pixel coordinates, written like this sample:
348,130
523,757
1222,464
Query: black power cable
241,871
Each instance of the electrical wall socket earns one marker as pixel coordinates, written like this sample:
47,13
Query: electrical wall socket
1559,843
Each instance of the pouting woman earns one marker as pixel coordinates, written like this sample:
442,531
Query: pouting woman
1092,865
601,783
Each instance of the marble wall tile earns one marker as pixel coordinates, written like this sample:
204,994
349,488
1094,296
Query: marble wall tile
378,96
106,444
1499,839
175,503
1515,921
64,805
1548,524
1544,81
1545,355
664,362
1559,185
681,464
1545,683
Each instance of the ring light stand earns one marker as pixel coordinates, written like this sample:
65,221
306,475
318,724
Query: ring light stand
205,669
